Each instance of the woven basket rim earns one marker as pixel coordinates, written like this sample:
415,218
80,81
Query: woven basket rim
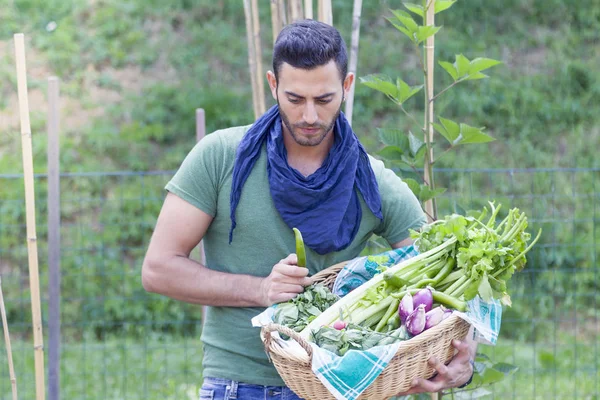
415,341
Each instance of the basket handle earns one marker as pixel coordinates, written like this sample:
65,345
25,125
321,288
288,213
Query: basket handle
289,332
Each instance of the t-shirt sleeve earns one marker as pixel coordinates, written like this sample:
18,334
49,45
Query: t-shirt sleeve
198,178
400,207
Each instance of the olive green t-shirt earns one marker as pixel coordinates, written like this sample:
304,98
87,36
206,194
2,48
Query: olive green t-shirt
232,346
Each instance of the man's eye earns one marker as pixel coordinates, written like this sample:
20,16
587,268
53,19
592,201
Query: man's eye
324,101
294,101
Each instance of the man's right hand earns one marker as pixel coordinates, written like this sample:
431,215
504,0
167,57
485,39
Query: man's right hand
284,282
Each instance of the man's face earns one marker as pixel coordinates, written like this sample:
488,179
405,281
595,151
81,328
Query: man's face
309,101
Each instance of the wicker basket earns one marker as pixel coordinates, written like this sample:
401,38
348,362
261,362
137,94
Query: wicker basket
409,362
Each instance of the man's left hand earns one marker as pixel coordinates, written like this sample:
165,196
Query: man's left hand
456,373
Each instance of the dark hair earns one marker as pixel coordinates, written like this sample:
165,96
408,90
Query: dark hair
308,44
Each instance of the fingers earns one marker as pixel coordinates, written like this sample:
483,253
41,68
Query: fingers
291,274
291,259
460,346
421,385
464,350
439,366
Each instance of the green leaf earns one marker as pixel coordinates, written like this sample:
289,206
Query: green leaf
409,27
408,160
505,368
472,289
391,153
462,65
405,91
497,285
450,69
489,376
482,358
428,194
402,29
470,134
406,19
413,185
415,144
485,290
415,8
423,32
381,83
480,64
448,129
442,5
476,76
394,137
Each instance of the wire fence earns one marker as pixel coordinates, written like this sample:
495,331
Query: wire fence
119,342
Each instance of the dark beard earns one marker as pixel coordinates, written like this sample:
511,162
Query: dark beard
326,128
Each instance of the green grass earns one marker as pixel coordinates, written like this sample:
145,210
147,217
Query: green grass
561,367
166,368
171,368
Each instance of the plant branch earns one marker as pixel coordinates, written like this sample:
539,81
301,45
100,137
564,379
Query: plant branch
409,115
450,86
442,155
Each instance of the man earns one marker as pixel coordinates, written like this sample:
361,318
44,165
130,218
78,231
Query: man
242,190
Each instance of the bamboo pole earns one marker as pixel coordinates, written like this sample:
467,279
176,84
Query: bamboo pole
11,368
320,10
430,205
308,9
251,57
276,21
295,9
34,283
325,12
258,56
53,240
353,56
282,14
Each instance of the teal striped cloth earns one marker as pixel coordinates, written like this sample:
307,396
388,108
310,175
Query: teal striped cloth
361,269
348,376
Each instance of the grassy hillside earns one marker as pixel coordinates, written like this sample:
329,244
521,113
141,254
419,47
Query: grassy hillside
134,71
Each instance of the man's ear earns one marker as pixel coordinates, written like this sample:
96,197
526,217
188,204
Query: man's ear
348,83
272,83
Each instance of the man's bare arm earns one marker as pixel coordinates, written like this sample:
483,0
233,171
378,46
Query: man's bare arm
168,270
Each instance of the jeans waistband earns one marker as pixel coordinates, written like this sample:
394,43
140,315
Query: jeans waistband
221,381
234,385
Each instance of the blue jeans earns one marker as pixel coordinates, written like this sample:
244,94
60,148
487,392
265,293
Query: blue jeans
224,389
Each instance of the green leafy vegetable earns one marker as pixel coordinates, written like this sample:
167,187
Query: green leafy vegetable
302,309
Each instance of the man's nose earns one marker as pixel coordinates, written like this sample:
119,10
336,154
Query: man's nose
310,113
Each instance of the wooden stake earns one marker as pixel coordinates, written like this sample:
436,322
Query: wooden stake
276,22
325,12
251,57
308,9
11,368
430,205
295,9
34,278
260,85
353,57
53,240
282,13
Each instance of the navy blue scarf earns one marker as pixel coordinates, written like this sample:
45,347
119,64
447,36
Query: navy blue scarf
324,206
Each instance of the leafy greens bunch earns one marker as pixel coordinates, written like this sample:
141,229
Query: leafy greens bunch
302,309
